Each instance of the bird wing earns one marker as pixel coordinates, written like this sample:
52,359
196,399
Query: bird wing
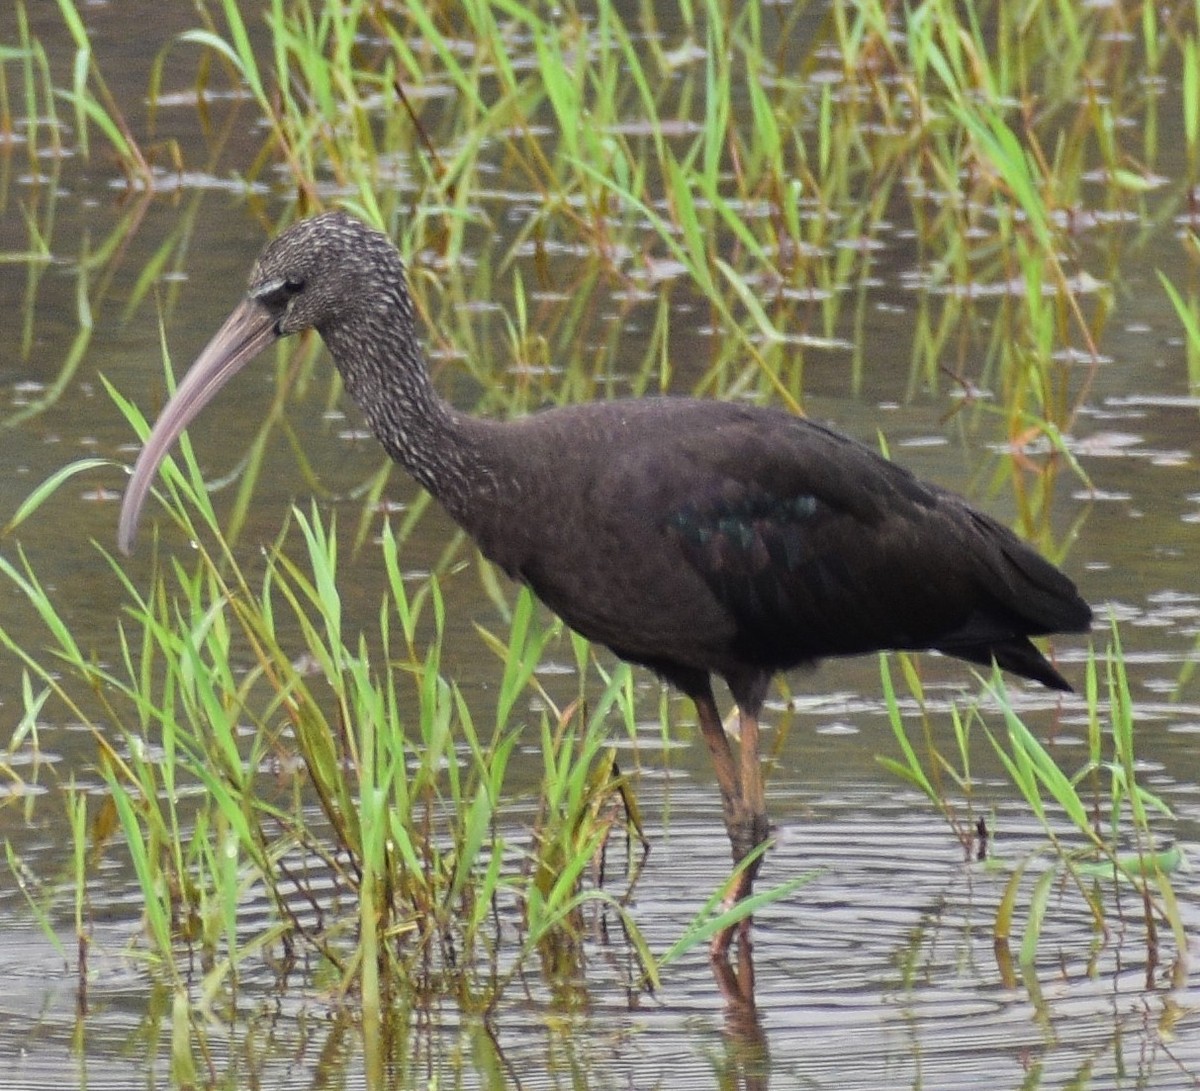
818,546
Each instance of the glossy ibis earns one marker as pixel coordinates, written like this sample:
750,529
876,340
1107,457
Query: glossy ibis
692,537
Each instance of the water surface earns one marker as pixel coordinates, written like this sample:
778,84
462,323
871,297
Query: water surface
882,969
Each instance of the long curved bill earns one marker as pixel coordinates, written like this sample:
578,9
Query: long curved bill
246,332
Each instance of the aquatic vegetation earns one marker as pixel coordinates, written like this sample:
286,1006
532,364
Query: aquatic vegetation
595,199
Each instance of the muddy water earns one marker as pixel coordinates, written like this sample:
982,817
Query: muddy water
880,970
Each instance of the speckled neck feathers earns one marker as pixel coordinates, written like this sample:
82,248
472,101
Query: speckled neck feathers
357,299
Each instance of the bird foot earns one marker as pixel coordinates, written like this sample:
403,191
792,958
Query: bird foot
718,948
747,831
741,886
737,986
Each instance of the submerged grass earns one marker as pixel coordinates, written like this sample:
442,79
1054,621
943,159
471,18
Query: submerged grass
767,220
316,787
743,164
1099,822
283,791
584,170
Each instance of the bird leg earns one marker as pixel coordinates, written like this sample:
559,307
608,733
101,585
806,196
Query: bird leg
725,767
753,793
743,801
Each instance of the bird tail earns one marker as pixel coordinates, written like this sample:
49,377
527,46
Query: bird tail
1018,656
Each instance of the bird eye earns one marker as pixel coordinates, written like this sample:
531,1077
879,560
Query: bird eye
276,293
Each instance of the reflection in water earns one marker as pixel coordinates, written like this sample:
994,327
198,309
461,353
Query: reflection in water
747,1054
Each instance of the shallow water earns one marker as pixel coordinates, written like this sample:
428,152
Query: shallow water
881,969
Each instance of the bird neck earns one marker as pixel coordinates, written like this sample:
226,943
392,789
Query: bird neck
384,371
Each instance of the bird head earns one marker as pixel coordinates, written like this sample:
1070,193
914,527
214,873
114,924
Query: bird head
323,273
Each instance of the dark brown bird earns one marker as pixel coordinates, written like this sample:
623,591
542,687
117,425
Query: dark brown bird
691,537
